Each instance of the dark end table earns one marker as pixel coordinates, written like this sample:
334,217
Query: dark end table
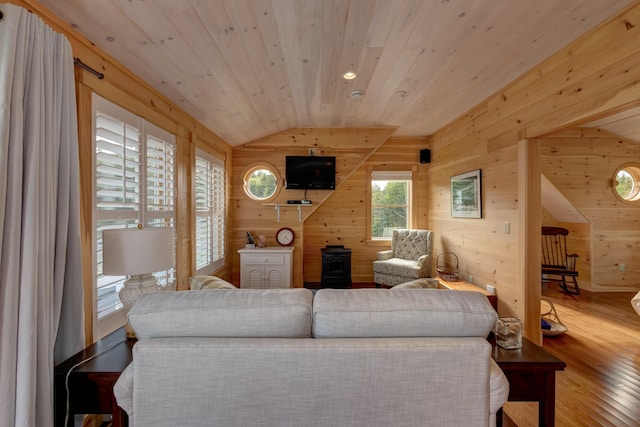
91,384
531,372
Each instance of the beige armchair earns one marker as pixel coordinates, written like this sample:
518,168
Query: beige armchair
408,259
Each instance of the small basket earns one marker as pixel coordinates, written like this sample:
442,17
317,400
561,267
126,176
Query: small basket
550,317
447,272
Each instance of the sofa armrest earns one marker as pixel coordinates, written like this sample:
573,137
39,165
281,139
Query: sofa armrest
498,390
384,255
123,390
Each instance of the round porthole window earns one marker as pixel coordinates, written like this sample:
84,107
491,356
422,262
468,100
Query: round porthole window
261,182
626,182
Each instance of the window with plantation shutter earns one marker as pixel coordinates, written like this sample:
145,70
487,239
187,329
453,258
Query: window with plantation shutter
134,168
210,209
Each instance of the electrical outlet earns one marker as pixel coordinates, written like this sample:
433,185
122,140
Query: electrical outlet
312,151
507,228
470,279
622,267
491,288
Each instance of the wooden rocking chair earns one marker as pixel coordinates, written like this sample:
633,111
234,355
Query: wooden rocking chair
556,262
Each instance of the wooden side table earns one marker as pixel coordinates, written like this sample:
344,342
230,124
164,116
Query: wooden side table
461,285
531,373
91,384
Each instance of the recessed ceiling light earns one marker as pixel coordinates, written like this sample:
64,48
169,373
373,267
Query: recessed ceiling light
357,94
349,75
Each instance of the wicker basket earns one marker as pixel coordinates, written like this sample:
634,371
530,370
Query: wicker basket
448,272
550,316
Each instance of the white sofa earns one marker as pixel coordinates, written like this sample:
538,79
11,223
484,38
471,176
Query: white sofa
283,357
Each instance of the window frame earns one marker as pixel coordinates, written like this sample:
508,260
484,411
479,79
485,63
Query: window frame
633,170
254,167
157,153
412,197
216,195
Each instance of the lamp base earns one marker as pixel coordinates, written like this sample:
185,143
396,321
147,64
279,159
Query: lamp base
135,286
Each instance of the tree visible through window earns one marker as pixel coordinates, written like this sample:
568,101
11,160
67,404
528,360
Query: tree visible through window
261,182
627,182
390,202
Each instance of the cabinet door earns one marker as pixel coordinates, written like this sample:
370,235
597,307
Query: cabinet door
275,277
254,276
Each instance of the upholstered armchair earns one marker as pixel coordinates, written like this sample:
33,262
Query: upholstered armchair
408,259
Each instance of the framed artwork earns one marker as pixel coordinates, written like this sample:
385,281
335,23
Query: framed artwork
466,195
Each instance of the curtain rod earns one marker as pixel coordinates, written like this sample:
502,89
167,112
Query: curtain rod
81,64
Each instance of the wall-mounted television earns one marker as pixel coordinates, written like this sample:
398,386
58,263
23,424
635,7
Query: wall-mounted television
310,172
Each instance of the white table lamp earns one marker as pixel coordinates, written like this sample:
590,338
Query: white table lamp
137,253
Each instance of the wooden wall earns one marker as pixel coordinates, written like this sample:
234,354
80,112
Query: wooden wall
336,217
593,77
581,164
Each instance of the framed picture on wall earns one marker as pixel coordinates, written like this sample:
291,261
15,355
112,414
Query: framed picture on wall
466,195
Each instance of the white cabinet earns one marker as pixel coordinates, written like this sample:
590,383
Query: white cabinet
269,267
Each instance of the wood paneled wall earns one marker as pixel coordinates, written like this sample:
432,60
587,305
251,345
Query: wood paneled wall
581,164
336,217
593,77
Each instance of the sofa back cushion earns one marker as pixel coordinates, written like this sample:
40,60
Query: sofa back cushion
401,313
244,313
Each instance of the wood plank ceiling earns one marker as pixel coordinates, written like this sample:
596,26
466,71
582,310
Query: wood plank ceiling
250,68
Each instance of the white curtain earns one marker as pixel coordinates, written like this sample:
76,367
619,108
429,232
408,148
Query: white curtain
41,314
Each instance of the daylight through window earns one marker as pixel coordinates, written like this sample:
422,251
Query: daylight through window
261,182
627,183
390,202
210,202
134,167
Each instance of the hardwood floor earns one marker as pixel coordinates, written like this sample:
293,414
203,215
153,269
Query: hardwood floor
601,384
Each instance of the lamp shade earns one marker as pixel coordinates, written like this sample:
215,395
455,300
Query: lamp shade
131,251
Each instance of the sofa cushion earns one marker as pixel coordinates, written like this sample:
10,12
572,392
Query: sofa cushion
246,313
425,283
398,267
381,313
209,282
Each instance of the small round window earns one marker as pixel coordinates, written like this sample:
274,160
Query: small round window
626,182
261,182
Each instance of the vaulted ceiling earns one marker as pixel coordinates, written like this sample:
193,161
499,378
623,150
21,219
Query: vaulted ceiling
250,68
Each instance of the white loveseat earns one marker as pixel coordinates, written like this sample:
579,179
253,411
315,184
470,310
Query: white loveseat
283,357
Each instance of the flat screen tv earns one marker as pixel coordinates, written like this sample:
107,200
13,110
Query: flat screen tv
310,172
